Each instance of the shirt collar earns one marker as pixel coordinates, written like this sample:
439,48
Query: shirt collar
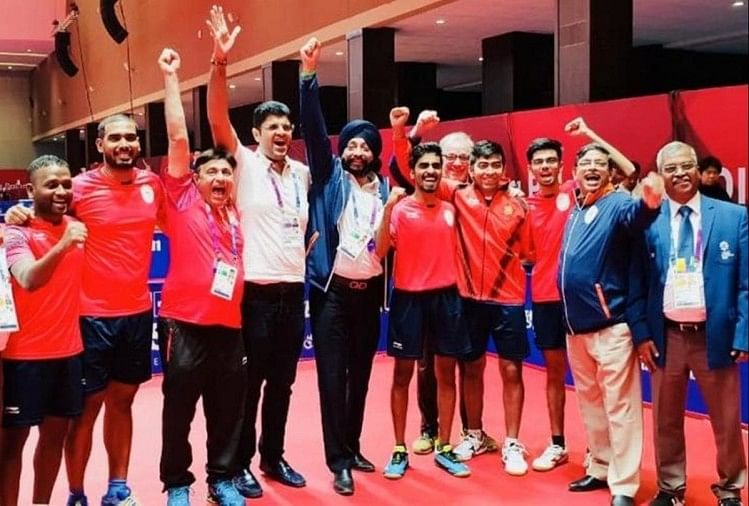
694,204
373,186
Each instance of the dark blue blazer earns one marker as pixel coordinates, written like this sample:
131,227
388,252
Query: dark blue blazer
725,253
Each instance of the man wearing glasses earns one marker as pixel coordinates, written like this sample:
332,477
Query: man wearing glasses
697,312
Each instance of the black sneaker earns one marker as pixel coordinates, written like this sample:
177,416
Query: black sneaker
247,485
666,499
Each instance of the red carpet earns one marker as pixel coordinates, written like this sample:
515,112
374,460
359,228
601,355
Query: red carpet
424,484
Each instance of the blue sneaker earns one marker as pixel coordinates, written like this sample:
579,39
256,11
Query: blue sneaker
77,500
178,496
119,495
447,460
396,467
223,493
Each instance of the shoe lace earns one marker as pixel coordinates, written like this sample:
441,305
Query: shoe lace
553,451
515,449
128,501
398,458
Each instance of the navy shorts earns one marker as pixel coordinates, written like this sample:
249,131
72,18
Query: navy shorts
548,325
430,318
35,389
503,323
117,348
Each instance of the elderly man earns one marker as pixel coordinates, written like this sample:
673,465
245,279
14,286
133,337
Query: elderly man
697,311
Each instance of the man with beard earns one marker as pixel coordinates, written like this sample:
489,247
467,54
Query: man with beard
697,312
120,205
425,304
272,200
199,328
348,202
604,314
42,363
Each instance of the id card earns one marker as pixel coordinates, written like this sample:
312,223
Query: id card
354,243
689,292
8,317
224,279
291,231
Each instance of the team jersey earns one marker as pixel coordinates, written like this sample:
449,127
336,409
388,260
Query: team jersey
120,219
48,316
424,241
193,235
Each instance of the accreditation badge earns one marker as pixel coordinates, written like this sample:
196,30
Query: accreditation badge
224,279
8,316
353,243
689,290
291,230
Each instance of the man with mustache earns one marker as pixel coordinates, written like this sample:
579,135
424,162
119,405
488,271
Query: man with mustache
350,207
604,314
120,205
199,328
272,201
42,363
425,303
697,313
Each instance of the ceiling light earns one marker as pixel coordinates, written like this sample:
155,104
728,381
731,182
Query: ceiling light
738,3
481,58
258,79
10,67
139,113
232,86
339,53
29,50
440,22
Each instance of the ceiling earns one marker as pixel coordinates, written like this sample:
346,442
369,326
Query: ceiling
451,35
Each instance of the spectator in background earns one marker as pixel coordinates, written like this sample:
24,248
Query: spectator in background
710,168
630,184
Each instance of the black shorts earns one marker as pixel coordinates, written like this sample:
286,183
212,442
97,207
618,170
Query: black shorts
548,325
433,317
34,389
117,348
503,323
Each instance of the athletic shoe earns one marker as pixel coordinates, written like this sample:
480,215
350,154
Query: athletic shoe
490,443
76,500
424,444
178,496
223,493
119,496
513,456
447,460
472,444
397,465
553,456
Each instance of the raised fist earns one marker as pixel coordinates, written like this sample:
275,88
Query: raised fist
169,61
399,116
310,55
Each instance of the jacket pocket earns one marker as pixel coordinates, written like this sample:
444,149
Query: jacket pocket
602,300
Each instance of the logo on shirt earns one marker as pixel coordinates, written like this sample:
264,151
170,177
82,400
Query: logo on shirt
472,201
12,410
449,217
591,214
563,202
147,193
508,210
725,250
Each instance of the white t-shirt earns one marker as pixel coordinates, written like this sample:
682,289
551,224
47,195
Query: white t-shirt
273,211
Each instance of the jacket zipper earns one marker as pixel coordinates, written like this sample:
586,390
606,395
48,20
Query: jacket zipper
602,301
564,265
483,253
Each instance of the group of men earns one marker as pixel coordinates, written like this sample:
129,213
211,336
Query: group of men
617,282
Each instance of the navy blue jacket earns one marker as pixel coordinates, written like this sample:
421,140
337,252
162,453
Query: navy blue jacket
724,268
330,189
600,273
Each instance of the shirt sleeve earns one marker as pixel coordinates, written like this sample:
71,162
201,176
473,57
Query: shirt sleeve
179,192
17,245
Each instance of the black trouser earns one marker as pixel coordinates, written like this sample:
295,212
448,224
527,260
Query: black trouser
208,361
273,332
426,392
346,330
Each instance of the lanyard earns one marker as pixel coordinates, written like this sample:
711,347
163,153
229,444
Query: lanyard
372,217
277,191
213,228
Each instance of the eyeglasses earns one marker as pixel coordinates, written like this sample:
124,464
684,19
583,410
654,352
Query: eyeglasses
463,157
598,164
685,167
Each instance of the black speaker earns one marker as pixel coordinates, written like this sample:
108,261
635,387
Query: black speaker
111,23
62,53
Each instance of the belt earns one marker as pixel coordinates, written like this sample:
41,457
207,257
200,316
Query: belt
685,326
352,284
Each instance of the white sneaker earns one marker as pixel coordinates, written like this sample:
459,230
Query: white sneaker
513,456
552,456
472,444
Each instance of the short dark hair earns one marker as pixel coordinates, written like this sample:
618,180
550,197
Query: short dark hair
593,146
710,161
485,149
46,161
209,155
102,128
423,149
269,108
542,143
